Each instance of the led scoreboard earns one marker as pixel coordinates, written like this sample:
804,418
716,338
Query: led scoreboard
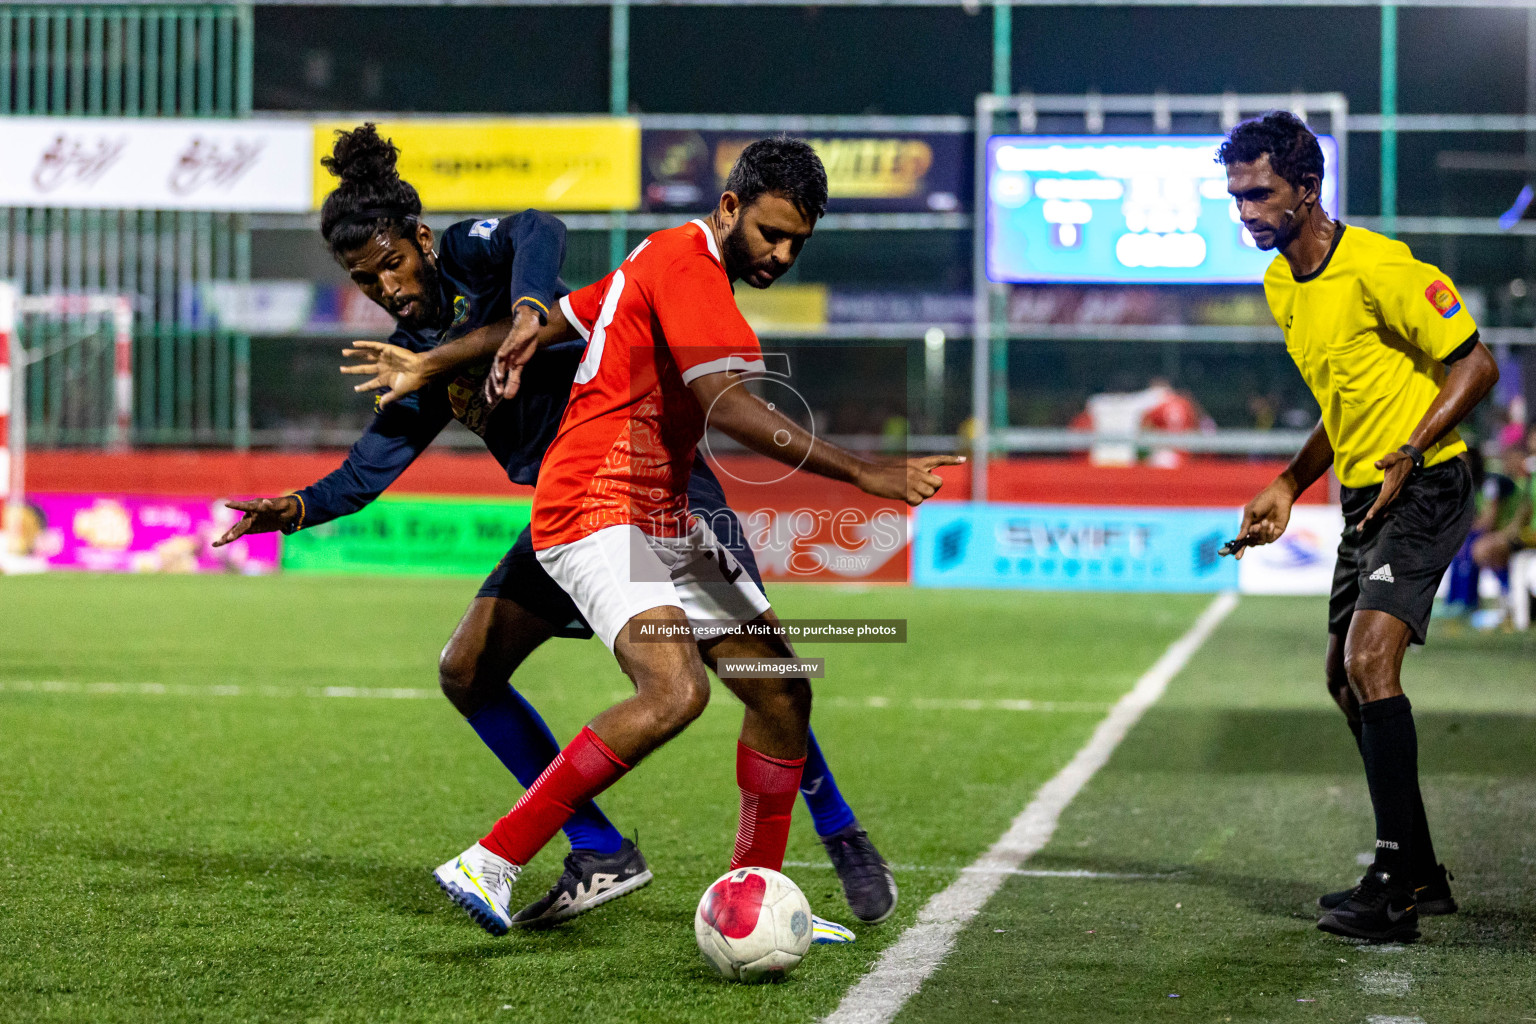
1122,209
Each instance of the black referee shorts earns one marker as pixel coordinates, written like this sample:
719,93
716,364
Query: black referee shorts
1397,565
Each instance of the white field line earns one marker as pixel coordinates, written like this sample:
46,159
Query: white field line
904,966
1380,1018
960,704
422,693
1026,872
186,690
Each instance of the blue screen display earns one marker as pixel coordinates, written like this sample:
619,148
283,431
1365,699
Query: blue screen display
1123,209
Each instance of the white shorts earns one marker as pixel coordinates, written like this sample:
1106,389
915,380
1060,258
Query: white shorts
619,572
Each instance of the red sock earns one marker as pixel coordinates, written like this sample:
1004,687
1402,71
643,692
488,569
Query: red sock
577,774
768,789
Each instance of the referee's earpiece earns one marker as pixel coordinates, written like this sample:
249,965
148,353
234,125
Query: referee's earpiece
1291,215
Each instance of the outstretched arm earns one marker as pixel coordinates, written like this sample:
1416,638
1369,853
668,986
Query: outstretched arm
387,448
403,371
1267,515
743,416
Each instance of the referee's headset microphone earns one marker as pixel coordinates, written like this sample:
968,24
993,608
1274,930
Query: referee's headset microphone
1290,222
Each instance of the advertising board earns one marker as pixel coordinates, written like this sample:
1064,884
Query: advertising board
1073,547
496,165
129,533
411,536
892,172
256,166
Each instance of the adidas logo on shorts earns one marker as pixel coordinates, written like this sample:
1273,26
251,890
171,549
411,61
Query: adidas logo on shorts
1384,574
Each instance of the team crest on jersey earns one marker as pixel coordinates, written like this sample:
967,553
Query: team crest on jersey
466,397
460,310
1443,299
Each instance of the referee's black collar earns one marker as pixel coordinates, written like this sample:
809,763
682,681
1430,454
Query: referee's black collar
1332,248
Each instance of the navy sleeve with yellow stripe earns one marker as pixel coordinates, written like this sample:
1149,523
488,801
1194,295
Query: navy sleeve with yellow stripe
399,432
522,253
1419,302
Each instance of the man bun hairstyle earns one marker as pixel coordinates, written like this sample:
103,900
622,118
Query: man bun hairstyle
1293,150
783,167
370,197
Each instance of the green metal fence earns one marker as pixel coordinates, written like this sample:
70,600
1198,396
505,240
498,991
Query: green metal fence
191,383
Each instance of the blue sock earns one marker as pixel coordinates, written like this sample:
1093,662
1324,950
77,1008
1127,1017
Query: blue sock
829,810
516,734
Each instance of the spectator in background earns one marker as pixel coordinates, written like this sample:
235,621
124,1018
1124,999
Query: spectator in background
1505,524
1122,414
1515,528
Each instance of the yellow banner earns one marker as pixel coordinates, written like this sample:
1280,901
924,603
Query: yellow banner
784,306
483,166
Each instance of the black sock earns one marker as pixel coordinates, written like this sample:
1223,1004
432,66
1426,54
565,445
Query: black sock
1423,850
1390,748
1424,861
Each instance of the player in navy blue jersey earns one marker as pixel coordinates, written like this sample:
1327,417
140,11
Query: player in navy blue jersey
480,284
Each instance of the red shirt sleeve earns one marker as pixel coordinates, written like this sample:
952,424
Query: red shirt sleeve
581,306
704,330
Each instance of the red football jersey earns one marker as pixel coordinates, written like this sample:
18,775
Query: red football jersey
626,443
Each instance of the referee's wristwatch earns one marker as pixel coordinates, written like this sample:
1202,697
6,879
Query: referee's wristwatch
1414,454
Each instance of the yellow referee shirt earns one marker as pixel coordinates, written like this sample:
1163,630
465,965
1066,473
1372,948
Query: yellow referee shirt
1369,330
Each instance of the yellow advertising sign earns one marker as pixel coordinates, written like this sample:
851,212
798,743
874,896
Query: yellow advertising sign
871,167
784,306
474,166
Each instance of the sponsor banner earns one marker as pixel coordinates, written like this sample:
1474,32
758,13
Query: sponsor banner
1300,562
866,171
801,529
423,536
507,164
127,533
900,307
792,306
253,166
1066,547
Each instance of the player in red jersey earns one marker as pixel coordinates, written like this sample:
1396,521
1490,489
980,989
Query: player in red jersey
668,351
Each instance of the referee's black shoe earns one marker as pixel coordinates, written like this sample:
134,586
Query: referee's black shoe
1433,893
1379,909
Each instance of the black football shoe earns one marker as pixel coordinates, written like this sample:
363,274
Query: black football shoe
1434,895
868,885
589,880
1379,909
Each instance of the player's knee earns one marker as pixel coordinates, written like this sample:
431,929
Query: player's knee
794,699
462,679
1365,668
673,698
680,706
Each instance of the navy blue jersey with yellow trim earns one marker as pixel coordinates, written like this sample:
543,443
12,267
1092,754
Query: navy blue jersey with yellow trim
485,269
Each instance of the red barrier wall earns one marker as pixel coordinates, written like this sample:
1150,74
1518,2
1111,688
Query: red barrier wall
1202,482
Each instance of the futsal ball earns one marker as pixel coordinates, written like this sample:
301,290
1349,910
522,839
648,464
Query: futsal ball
753,924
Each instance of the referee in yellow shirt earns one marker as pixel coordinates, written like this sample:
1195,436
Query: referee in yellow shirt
1393,357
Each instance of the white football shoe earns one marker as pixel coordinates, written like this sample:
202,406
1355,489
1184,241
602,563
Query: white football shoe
824,932
481,882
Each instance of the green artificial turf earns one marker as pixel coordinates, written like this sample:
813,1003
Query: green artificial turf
240,847
1244,788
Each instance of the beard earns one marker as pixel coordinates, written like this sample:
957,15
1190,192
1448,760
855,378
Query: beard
431,314
737,256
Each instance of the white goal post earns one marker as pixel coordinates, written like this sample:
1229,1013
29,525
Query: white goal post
14,360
